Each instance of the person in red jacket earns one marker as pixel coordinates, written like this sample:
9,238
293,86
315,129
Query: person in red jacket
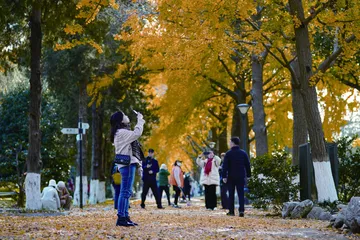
177,181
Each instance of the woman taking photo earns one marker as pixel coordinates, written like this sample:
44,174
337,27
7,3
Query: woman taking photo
210,177
126,144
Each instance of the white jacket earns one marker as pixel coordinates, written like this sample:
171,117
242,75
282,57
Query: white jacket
50,198
214,177
123,139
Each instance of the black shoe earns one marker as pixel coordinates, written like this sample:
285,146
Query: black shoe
129,221
142,205
121,221
241,214
160,207
230,214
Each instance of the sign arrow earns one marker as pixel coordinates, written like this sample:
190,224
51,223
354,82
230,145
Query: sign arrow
70,130
85,126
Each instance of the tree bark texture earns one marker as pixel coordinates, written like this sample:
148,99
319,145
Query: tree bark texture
96,141
33,160
83,101
323,177
32,180
258,104
223,139
300,132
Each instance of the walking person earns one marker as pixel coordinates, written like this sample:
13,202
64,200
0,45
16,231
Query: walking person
126,146
151,168
164,182
210,177
187,186
235,168
177,181
223,186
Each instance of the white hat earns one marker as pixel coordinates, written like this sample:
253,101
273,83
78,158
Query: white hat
61,185
52,183
163,166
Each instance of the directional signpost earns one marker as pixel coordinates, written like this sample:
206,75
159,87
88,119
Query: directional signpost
79,132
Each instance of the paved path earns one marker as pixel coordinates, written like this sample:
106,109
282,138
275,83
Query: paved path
189,222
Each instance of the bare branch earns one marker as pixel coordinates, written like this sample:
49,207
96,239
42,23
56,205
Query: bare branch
227,69
326,64
228,91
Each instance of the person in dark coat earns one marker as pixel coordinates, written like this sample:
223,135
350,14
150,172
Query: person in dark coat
187,186
150,169
235,168
223,186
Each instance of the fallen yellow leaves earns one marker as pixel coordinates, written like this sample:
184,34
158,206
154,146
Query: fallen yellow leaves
189,222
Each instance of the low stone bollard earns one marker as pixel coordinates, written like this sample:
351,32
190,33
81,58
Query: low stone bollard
297,209
352,215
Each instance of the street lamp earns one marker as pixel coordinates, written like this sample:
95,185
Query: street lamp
243,107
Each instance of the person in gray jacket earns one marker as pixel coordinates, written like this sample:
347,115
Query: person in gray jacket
50,198
126,143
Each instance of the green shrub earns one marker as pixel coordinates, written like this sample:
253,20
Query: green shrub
349,169
271,183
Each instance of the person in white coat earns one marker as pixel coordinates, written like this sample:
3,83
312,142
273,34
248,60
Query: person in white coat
50,198
210,177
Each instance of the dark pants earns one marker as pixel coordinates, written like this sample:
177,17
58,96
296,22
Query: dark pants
177,194
239,185
166,189
210,196
147,185
116,196
187,191
224,196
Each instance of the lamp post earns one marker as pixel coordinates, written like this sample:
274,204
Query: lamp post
244,108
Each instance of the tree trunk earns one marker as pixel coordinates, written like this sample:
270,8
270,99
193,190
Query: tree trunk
258,104
223,139
97,192
300,132
32,181
323,177
83,99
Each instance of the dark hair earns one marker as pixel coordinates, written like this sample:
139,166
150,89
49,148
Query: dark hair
116,123
175,163
235,140
151,150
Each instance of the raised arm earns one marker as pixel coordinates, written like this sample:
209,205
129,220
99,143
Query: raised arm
200,162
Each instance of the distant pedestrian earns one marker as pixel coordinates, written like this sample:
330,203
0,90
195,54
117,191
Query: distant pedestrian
187,185
223,186
210,177
164,182
235,168
126,146
177,181
65,198
151,168
50,197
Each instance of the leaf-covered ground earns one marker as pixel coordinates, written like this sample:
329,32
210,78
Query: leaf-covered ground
189,222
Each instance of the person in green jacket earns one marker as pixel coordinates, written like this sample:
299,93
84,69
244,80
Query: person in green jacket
164,182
